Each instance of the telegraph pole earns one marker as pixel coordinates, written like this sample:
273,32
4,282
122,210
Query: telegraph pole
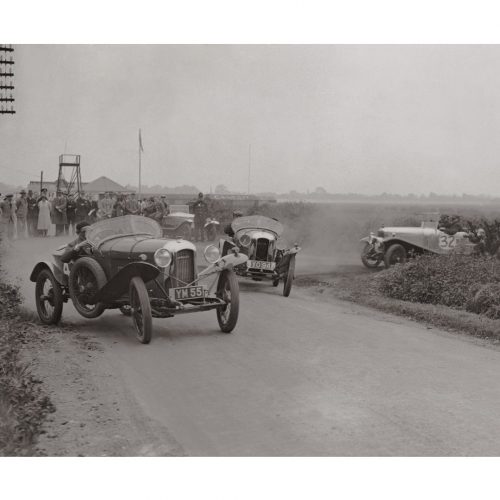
249,166
6,86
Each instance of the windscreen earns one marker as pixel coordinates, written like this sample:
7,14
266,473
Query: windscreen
257,222
128,224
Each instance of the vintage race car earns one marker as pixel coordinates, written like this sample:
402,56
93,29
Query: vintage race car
393,245
178,223
257,236
126,264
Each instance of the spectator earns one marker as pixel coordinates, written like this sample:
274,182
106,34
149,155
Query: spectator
44,221
32,213
59,213
8,209
200,210
22,214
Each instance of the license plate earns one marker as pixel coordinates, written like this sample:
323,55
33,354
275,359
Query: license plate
261,264
188,293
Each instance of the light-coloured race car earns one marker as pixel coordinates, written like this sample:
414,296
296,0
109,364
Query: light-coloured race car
394,245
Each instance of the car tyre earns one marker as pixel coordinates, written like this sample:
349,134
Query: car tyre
228,290
141,310
396,254
369,262
86,278
48,292
290,276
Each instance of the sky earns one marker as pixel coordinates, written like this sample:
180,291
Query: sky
348,118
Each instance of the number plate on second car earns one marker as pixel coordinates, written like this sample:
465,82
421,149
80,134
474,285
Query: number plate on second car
187,293
261,264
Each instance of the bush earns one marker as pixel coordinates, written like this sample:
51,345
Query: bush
452,281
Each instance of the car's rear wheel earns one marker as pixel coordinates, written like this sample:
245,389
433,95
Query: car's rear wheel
396,254
141,310
86,278
290,276
368,259
228,291
48,296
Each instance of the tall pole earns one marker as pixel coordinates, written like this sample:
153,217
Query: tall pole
41,181
140,151
249,165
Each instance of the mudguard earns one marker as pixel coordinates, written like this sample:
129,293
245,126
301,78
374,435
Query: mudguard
119,283
57,272
226,262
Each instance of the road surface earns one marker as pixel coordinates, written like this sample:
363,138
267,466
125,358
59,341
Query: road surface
299,377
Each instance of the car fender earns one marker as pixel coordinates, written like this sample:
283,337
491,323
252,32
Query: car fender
58,273
119,283
227,262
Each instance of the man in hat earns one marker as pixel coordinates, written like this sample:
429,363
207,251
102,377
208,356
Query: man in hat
32,213
163,201
59,213
82,208
8,220
132,205
200,211
21,214
106,206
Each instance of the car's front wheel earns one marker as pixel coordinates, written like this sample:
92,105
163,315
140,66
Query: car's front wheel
290,276
396,254
86,278
48,296
228,291
141,310
368,258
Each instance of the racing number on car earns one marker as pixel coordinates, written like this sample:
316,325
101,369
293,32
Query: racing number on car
447,242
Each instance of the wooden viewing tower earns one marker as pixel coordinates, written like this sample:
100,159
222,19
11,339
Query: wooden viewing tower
74,184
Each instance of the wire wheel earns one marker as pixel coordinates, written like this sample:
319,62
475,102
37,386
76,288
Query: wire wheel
396,254
228,291
49,300
369,259
290,276
85,280
141,310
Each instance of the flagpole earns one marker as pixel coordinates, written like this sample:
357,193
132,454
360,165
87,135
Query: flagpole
140,148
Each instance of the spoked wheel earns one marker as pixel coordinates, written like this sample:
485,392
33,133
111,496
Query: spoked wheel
228,290
49,300
290,276
368,259
85,280
126,310
140,309
396,254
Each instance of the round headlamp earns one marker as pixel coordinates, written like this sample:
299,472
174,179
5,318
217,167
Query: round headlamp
211,254
245,240
162,257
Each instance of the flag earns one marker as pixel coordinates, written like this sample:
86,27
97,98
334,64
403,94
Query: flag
140,141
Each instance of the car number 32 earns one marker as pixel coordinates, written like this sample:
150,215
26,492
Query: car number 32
447,241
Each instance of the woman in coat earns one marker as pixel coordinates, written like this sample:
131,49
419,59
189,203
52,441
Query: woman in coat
44,221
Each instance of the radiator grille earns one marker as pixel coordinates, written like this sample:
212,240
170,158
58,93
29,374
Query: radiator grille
183,269
261,249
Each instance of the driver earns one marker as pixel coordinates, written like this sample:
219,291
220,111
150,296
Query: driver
72,250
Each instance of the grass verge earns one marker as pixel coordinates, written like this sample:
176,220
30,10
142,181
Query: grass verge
23,403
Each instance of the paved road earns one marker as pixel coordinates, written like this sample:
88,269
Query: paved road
305,377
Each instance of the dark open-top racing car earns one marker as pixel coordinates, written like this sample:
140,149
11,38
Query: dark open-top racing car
125,263
257,236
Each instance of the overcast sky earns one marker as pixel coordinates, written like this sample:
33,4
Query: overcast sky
364,119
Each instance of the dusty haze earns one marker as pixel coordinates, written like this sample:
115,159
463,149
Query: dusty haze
362,119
